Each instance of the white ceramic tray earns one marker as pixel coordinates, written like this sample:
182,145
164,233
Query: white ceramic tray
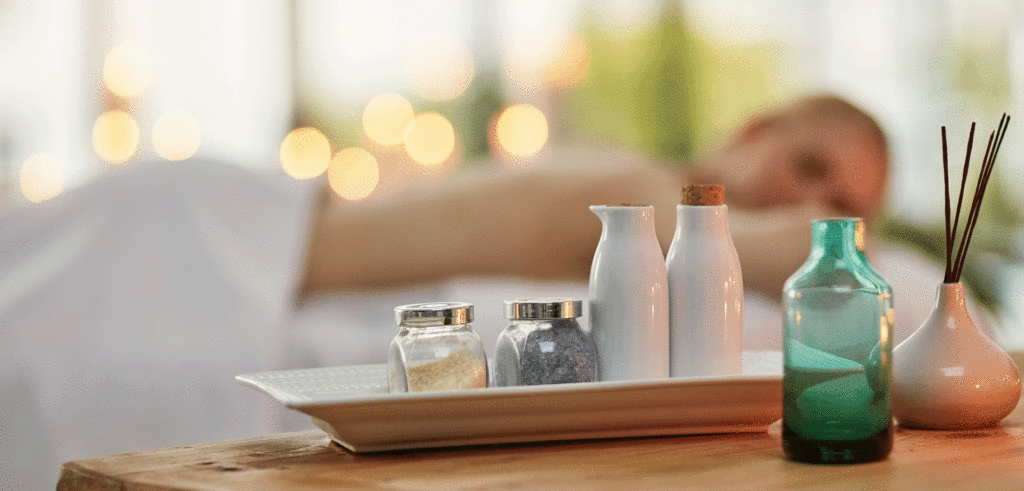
353,406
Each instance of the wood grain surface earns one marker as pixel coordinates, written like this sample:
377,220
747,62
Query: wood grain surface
984,459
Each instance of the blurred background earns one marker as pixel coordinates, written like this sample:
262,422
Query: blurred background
382,95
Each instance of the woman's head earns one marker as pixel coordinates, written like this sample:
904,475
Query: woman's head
818,150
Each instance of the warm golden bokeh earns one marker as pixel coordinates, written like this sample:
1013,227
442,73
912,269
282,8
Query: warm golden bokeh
176,135
115,136
569,66
430,139
127,70
386,118
353,173
305,153
439,69
521,130
42,177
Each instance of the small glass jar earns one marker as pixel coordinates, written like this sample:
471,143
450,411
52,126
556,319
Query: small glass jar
436,349
544,344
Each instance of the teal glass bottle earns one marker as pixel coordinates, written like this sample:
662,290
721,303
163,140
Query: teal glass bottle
838,318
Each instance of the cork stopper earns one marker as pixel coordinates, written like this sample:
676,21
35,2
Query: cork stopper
703,195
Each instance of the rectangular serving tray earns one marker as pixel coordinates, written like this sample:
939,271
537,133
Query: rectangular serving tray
352,404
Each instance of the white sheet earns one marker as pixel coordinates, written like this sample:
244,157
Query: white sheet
127,307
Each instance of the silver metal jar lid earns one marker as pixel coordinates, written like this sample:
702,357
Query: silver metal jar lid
434,314
543,308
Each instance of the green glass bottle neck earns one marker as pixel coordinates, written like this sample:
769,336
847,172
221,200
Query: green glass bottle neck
838,240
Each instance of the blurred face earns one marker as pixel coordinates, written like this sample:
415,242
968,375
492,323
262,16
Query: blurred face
814,160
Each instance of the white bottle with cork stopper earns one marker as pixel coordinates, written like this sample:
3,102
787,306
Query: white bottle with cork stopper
705,287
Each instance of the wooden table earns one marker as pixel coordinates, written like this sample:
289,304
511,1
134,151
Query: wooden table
980,459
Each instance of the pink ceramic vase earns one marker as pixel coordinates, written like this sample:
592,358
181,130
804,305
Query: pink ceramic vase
949,374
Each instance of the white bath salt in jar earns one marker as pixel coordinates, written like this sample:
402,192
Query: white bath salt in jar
436,349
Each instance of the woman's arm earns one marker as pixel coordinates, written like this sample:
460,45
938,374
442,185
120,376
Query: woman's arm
530,224
533,224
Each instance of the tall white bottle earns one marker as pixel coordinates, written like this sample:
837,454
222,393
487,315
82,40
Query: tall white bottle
705,288
629,296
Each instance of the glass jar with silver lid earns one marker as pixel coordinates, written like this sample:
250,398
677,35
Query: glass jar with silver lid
544,344
436,349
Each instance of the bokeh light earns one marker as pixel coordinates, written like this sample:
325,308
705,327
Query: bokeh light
569,66
430,139
115,136
176,135
439,69
305,153
127,70
386,118
545,59
42,177
521,130
353,173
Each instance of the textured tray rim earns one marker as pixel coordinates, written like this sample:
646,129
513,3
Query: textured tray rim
254,380
369,419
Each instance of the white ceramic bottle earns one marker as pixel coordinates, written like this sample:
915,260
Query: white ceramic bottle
629,296
705,287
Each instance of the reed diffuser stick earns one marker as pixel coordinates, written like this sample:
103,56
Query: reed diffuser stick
945,175
975,204
963,183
